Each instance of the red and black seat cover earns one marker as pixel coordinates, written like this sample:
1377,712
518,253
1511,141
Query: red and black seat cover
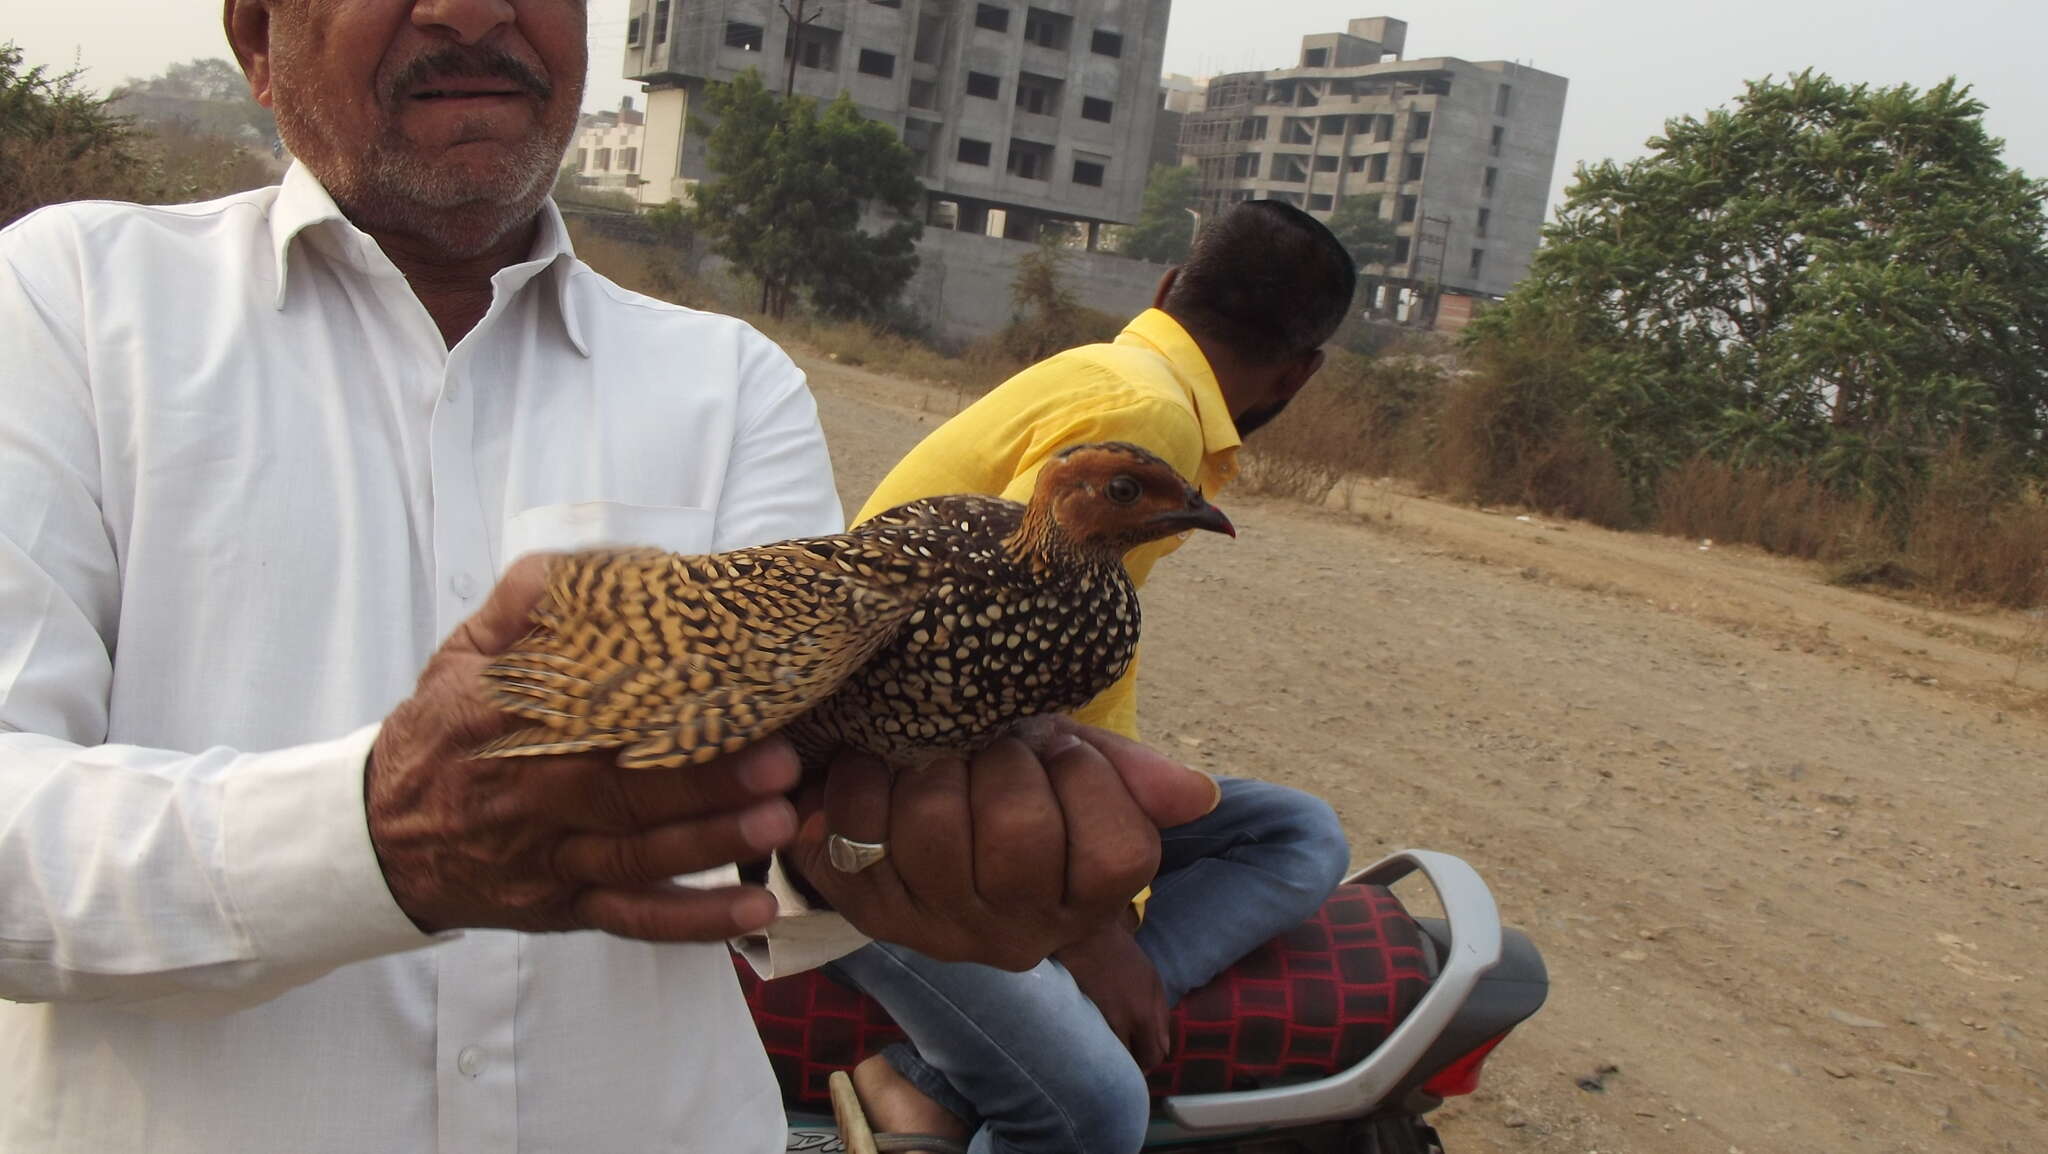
1311,1002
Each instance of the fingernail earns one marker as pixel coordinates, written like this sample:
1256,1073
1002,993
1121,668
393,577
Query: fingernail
1216,786
768,826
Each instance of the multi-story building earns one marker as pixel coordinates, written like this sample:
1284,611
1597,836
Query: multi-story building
606,150
1458,154
1018,111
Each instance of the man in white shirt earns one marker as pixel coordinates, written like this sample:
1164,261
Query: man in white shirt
260,457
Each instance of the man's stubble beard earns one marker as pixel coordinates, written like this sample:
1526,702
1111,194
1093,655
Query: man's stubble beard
390,189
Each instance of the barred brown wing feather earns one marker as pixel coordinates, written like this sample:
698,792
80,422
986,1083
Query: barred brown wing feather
675,660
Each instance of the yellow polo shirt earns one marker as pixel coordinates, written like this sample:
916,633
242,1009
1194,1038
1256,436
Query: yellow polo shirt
1151,387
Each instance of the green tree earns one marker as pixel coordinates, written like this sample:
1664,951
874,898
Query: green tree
57,141
1838,276
793,186
1358,226
1166,223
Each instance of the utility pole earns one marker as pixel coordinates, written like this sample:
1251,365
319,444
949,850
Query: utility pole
797,20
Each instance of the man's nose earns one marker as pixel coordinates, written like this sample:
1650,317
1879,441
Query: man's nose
465,21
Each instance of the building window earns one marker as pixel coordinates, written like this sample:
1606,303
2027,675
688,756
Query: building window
875,63
814,47
1384,130
1030,160
1485,220
1410,206
660,21
1315,58
1478,259
1418,126
1378,175
1089,172
1320,202
992,17
1038,94
1402,247
629,159
1252,128
1492,182
1504,101
1327,163
1247,166
604,160
1355,164
633,32
1106,43
582,159
923,94
1500,136
745,37
1096,108
983,85
973,152
931,30
1413,169
1047,29
1289,169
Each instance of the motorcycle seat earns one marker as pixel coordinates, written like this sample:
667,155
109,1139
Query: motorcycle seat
1312,1002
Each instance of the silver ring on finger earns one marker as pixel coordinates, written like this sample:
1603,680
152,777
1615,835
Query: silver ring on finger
850,856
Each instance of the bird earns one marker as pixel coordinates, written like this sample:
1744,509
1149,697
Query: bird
929,630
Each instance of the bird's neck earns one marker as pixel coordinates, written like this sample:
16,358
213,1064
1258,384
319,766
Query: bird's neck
1040,543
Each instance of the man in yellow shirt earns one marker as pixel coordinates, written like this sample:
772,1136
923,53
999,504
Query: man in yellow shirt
1051,1061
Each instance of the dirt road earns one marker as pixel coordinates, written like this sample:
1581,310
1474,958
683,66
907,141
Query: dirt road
1784,846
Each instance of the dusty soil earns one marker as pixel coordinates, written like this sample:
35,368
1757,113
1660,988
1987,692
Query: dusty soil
1782,844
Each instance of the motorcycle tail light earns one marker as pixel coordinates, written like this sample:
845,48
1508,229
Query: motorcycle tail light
1461,1076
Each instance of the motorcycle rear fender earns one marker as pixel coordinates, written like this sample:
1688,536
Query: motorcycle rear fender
1473,948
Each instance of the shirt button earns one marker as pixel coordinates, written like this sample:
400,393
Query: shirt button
470,1061
464,586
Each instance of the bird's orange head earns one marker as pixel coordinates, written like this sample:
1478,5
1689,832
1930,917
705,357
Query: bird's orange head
1114,497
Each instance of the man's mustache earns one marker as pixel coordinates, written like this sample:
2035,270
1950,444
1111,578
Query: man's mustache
469,63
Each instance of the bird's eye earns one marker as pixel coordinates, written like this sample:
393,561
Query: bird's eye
1123,490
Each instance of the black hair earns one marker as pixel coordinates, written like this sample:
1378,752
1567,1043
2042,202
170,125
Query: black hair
1267,280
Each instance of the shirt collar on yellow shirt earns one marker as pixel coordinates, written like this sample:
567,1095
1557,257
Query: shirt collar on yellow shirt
1155,330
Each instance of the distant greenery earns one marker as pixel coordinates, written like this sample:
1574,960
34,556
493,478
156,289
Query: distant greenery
60,141
1841,278
1358,226
793,184
1166,224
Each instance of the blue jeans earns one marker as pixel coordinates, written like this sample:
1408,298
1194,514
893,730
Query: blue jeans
1027,1058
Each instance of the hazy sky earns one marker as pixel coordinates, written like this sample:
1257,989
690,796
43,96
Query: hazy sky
1631,63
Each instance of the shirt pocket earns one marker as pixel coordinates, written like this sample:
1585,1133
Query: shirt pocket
605,525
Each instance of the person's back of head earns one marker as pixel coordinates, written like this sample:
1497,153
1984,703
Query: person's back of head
1266,280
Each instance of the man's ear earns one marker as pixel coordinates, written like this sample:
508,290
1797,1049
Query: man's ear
1165,286
1296,376
248,28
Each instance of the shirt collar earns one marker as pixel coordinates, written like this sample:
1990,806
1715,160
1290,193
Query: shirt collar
1156,330
303,205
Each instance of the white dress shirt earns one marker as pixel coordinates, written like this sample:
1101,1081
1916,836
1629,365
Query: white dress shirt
245,489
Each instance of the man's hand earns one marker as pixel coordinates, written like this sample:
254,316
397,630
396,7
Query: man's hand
1124,984
1036,845
558,843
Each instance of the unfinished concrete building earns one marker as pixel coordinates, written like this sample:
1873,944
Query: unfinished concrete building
1019,111
1458,154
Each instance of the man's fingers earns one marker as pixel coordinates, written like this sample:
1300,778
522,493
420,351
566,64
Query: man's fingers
857,788
605,798
676,913
1168,792
684,847
931,832
1019,833
507,614
1112,844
